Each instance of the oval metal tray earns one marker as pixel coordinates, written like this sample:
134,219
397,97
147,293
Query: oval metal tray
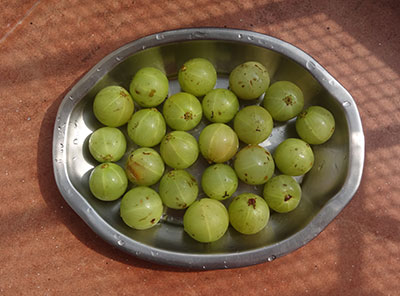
327,188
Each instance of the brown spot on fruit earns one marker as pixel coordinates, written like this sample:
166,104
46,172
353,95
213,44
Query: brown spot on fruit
183,68
152,221
107,157
287,197
225,194
152,92
188,115
123,94
104,165
136,91
146,153
266,178
251,202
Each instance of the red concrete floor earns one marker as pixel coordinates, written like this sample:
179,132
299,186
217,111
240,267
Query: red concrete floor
46,46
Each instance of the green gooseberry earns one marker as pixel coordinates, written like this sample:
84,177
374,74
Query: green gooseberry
179,149
219,181
178,189
220,105
206,220
108,181
248,213
113,106
141,208
218,142
144,167
254,165
149,87
253,124
107,144
182,111
147,127
294,157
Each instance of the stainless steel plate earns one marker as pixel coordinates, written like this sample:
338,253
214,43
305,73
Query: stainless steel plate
327,188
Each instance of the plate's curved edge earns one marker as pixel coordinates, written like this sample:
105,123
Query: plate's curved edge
217,261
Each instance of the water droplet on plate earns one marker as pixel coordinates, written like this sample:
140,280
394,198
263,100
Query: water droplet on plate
204,267
120,242
198,34
59,128
75,141
118,58
331,82
98,69
310,65
71,98
89,210
74,158
250,37
346,104
240,36
143,47
160,36
271,258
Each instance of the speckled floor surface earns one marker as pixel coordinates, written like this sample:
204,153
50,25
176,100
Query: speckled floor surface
46,46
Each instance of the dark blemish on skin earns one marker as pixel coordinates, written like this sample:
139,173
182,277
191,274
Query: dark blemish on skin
266,178
147,198
295,149
197,83
225,194
287,197
183,205
284,185
255,65
136,91
255,79
295,165
219,113
303,114
308,145
258,130
183,68
251,82
188,115
266,152
104,166
146,153
123,94
152,221
152,92
265,162
245,174
242,85
251,202
212,114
